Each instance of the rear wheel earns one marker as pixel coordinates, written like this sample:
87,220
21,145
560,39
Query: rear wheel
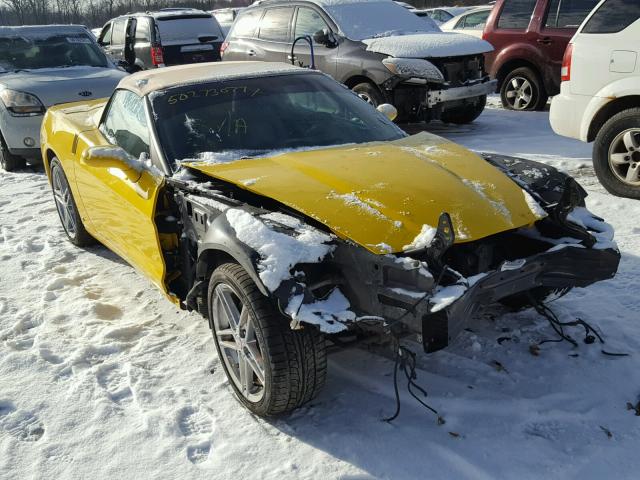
9,161
66,206
522,89
466,114
271,368
616,154
369,93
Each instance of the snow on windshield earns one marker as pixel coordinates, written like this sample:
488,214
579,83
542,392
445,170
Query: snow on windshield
383,19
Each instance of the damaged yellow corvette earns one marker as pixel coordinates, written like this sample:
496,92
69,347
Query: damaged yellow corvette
283,208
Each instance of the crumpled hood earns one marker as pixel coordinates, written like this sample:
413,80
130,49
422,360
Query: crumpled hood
428,45
382,195
62,85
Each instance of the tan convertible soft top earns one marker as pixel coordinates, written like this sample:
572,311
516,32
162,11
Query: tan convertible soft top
149,81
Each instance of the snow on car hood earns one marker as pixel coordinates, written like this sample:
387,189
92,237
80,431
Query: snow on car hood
386,196
428,45
62,85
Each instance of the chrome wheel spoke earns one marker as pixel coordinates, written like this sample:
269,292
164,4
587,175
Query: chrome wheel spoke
229,344
631,141
620,158
515,82
224,332
246,374
633,173
254,359
511,93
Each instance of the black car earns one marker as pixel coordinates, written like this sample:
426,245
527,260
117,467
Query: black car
170,36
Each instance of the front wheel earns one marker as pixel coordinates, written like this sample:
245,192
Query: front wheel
8,161
369,93
271,368
616,154
66,207
465,114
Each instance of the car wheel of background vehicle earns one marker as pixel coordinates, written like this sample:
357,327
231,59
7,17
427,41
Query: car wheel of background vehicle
9,161
616,154
521,300
522,89
466,114
369,93
271,368
66,206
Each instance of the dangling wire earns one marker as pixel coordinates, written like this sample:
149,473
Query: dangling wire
590,333
406,361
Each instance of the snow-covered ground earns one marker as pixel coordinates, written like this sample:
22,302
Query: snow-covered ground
100,377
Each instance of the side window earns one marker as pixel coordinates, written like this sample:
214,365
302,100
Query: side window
568,13
613,16
308,22
143,32
118,31
516,14
275,24
476,21
125,124
105,37
246,24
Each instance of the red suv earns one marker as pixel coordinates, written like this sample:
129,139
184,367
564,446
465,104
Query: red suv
530,37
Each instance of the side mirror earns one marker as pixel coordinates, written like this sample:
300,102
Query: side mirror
324,37
108,157
388,111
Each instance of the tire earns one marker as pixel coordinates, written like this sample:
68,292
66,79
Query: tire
616,157
369,93
293,362
466,114
521,301
66,207
8,161
526,81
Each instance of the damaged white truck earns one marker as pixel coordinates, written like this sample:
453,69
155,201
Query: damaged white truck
379,49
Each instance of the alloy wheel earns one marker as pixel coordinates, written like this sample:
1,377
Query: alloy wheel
624,157
236,336
519,93
64,202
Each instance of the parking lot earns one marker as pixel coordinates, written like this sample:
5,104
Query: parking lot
102,376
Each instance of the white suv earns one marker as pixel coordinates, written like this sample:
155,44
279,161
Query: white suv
599,96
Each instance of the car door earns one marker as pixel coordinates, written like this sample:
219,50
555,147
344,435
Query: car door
116,46
272,44
118,196
308,22
142,43
559,23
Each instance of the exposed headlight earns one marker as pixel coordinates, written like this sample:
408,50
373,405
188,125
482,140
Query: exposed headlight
21,104
414,68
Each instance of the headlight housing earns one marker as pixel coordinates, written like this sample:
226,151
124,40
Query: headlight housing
414,68
21,104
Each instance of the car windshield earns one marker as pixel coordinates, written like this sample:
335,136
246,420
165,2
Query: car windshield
60,49
383,19
227,120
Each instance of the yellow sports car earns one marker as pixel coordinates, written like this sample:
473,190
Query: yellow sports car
284,209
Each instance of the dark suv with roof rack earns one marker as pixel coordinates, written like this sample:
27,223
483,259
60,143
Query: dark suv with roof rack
171,36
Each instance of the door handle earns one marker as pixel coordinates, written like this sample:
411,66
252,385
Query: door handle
545,41
251,53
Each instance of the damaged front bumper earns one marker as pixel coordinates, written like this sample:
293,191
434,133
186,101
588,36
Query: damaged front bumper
559,268
435,97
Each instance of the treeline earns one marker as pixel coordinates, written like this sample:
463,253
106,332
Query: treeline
92,13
